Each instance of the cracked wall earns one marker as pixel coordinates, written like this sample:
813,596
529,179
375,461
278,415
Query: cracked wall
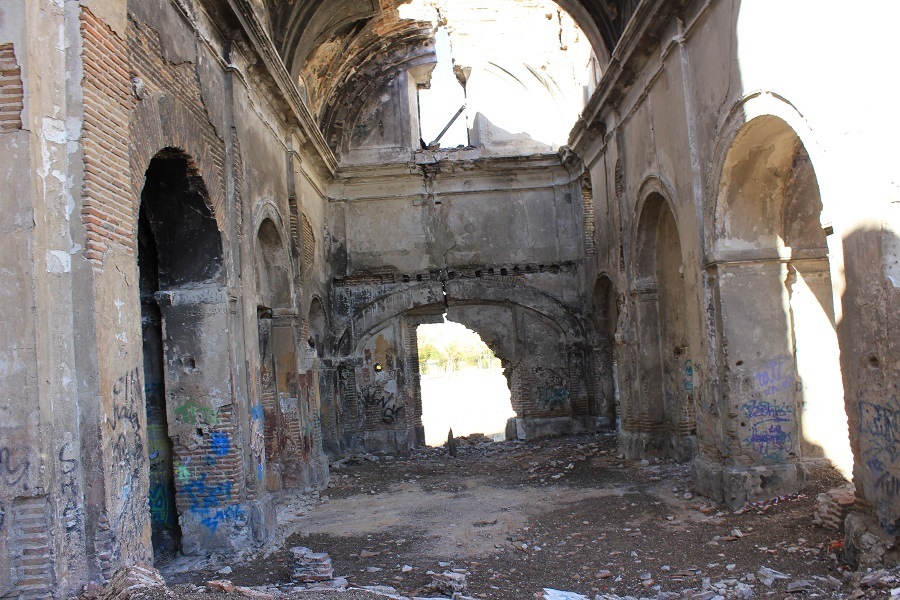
446,236
734,269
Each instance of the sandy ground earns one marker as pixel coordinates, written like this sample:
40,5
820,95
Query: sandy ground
566,514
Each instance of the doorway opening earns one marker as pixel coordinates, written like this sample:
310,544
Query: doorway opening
463,384
179,263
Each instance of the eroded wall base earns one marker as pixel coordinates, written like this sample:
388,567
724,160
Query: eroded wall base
636,445
529,429
866,544
735,486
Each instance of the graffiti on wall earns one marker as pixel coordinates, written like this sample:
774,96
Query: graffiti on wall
770,412
68,486
211,503
128,455
191,413
688,383
125,424
381,394
879,434
14,466
162,484
553,390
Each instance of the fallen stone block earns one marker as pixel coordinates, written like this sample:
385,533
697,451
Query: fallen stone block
222,585
128,581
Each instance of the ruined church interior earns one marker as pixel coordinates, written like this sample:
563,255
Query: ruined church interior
243,242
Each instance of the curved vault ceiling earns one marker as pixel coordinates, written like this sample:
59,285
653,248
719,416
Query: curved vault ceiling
339,50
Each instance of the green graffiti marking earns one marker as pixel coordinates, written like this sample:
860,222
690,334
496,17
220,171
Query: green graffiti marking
192,413
182,473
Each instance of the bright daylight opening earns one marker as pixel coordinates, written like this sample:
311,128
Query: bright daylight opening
463,386
519,67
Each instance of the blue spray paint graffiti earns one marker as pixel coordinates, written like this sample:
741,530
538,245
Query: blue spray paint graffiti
207,502
221,445
879,437
770,412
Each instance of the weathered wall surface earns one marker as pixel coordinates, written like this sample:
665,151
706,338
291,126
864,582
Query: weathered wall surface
197,301
750,157
92,452
414,242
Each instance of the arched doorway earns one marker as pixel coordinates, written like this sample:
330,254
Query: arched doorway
777,347
190,424
660,420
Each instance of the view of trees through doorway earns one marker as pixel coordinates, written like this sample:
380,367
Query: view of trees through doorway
463,385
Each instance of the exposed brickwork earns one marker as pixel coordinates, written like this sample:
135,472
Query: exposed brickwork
214,470
11,94
108,211
32,552
587,202
171,114
309,245
295,222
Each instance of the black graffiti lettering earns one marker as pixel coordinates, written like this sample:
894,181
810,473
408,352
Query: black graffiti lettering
12,472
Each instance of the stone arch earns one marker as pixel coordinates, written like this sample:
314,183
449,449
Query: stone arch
273,266
158,121
469,291
658,416
190,419
542,344
776,345
731,126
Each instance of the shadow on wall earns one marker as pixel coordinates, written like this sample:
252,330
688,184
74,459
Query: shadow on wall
869,331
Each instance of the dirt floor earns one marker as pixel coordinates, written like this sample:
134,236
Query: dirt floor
566,514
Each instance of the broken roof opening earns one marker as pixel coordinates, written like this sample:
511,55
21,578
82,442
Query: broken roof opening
518,67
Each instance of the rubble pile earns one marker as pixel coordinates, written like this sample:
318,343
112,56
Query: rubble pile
311,567
131,582
833,506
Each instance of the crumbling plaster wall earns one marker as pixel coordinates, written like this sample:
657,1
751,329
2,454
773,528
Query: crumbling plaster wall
74,449
665,118
415,241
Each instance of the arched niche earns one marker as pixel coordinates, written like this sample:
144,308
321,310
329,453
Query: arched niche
658,418
318,326
195,502
278,373
777,347
605,316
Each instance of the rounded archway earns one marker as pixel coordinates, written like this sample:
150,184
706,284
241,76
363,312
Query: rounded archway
286,435
462,383
776,334
605,316
180,262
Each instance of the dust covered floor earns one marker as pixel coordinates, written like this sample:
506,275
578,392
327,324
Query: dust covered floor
565,513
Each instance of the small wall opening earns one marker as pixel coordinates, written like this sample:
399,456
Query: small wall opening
463,384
